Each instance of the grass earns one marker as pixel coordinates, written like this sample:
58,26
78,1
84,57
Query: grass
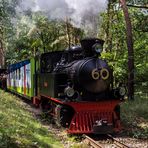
18,127
134,115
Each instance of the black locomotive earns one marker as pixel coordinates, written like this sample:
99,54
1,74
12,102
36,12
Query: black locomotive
78,73
76,86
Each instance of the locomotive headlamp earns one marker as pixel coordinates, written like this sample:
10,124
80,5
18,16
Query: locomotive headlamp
122,90
69,91
97,48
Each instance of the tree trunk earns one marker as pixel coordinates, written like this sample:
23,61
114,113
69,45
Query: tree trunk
2,58
130,50
68,32
108,33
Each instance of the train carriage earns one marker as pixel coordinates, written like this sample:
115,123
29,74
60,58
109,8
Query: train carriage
20,78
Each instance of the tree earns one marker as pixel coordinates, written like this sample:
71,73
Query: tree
7,13
130,50
115,48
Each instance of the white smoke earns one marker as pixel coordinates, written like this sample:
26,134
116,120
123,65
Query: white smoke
83,13
85,8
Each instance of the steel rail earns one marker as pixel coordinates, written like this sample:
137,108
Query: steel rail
91,142
96,144
117,142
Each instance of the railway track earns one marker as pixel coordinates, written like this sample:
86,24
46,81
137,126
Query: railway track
106,141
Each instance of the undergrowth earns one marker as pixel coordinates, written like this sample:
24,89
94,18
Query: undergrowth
134,116
18,127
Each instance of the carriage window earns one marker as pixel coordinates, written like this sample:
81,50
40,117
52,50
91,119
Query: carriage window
49,60
46,65
19,74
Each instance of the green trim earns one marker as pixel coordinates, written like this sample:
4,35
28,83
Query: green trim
35,66
32,61
20,91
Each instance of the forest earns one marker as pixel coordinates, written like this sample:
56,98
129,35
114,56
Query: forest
30,28
26,32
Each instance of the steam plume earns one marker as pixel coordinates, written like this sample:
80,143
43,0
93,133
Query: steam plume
83,13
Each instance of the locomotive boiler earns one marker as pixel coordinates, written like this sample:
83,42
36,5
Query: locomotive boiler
88,77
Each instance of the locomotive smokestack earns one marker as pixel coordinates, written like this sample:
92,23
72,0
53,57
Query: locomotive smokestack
87,44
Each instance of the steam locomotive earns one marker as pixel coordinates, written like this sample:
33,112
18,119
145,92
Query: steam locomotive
74,86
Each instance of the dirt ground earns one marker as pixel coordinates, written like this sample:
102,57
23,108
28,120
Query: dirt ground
69,143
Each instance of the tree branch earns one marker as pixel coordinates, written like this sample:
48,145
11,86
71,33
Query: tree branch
137,6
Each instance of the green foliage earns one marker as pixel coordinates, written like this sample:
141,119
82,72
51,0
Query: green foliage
134,115
7,12
7,32
18,126
35,34
140,45
115,49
